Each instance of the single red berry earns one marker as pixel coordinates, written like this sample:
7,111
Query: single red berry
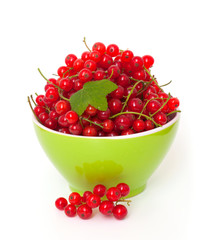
91,111
85,195
85,56
139,75
150,89
106,207
99,190
62,107
122,123
99,75
90,64
148,61
153,106
78,65
70,59
103,115
127,91
89,131
63,121
149,125
160,118
106,61
51,123
113,50
39,100
52,95
63,70
75,198
70,210
127,132
95,56
84,211
78,84
100,47
113,71
95,121
85,75
61,203
173,103
139,125
137,63
93,200
75,129
127,56
120,211
115,105
38,110
66,84
123,80
53,115
108,125
64,130
124,189
113,194
135,104
71,117
43,117
118,93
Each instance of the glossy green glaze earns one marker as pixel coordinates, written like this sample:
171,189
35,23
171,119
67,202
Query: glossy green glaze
85,162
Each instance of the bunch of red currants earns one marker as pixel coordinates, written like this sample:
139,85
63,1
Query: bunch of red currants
138,104
83,205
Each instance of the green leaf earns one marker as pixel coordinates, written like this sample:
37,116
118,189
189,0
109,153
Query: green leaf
93,93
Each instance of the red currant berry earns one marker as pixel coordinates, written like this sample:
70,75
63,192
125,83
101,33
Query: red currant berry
106,208
66,84
38,110
135,104
113,194
99,190
62,71
71,117
43,117
85,195
39,100
51,123
78,84
127,132
70,210
95,56
113,50
75,198
153,106
173,103
90,131
148,61
137,63
85,56
93,200
123,80
85,75
63,121
106,61
62,107
78,65
99,75
108,125
84,211
149,125
91,111
103,115
128,90
122,123
70,59
61,203
75,129
127,56
124,189
139,125
120,211
64,130
160,118
112,134
52,95
113,71
118,93
90,64
139,75
115,105
100,47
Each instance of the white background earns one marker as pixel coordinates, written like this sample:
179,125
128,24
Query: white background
40,34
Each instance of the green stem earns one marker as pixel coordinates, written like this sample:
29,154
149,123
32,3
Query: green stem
73,76
48,80
173,112
33,100
61,96
36,94
136,80
162,105
126,101
111,75
86,44
152,78
136,113
33,110
166,84
67,72
92,122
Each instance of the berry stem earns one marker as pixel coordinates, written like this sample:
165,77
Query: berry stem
86,44
61,96
36,94
47,79
33,99
55,75
111,75
92,122
67,71
124,200
126,101
33,110
166,84
162,105
152,78
136,113
173,112
136,80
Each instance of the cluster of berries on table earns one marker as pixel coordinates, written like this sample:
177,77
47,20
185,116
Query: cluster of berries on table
137,104
83,205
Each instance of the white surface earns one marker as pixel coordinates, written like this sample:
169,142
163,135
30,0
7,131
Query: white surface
40,34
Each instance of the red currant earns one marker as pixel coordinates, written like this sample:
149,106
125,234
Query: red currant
160,118
93,200
71,117
135,104
108,125
148,61
75,129
70,59
62,107
85,56
127,56
115,105
61,203
78,65
124,189
89,131
99,190
113,50
85,195
84,211
106,207
75,198
122,123
113,194
85,75
90,64
173,103
139,125
100,47
120,211
70,210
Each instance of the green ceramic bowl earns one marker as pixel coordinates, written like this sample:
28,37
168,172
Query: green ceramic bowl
87,161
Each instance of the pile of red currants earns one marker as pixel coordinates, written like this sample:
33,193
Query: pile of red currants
137,104
83,205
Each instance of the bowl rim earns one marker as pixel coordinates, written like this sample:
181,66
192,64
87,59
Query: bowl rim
145,133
